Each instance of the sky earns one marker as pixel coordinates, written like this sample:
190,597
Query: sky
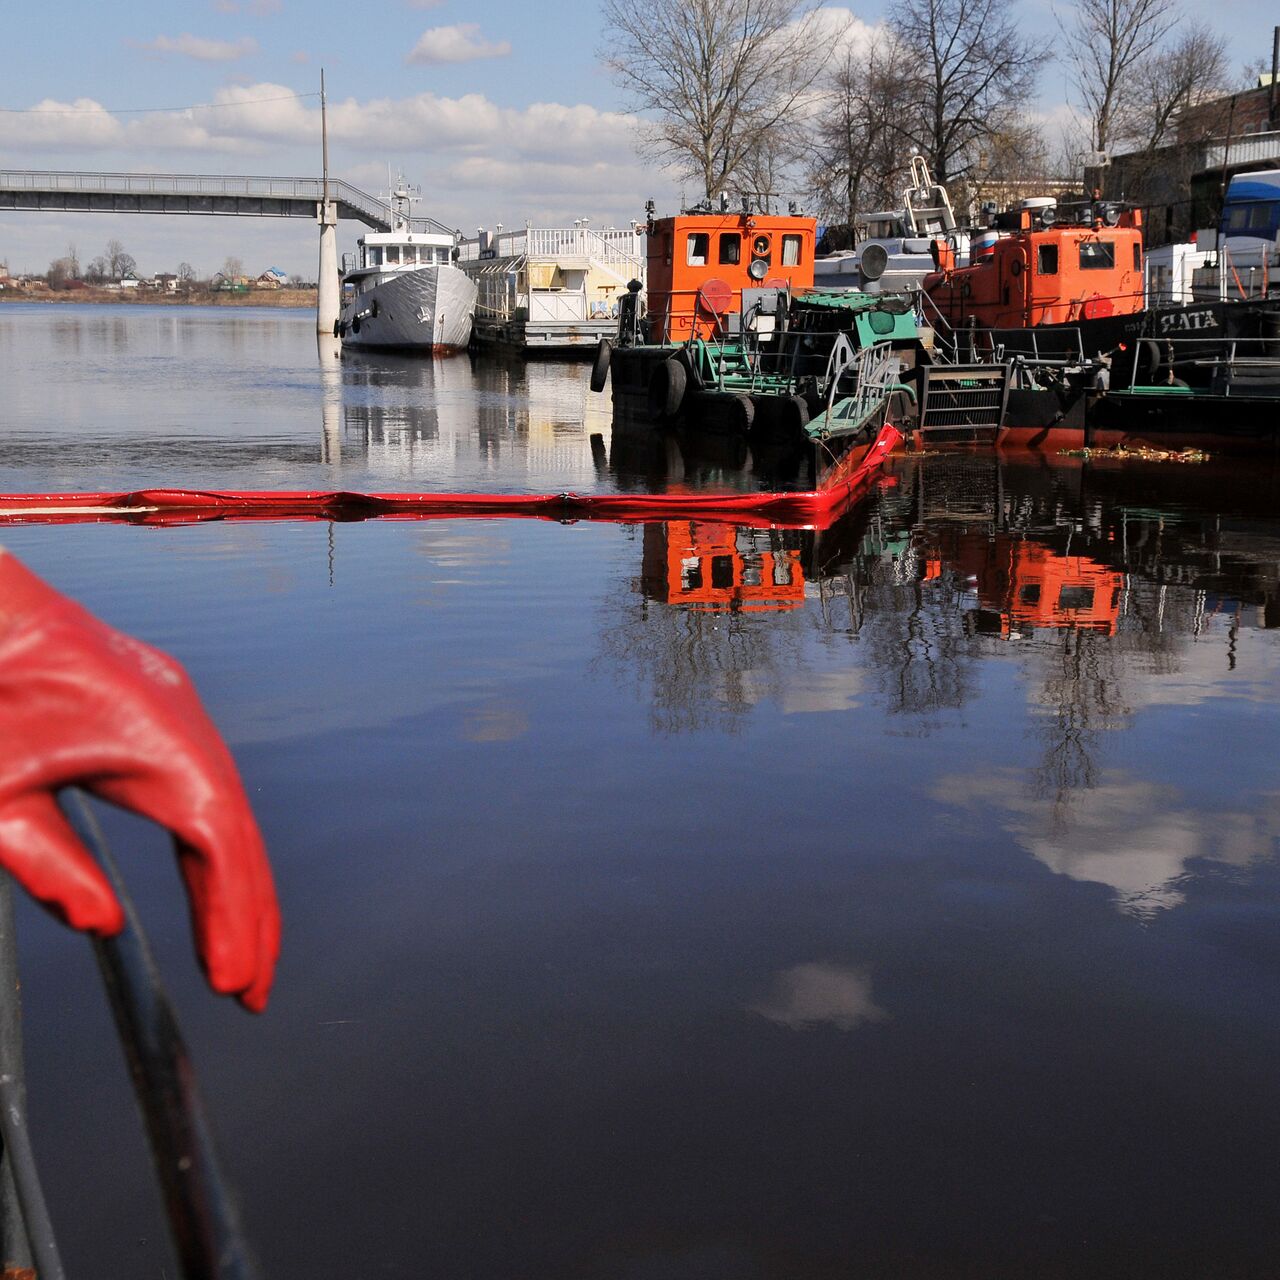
499,111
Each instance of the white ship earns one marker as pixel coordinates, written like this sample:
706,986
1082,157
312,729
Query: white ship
403,291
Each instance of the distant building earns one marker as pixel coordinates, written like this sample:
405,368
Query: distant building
272,278
1179,186
164,282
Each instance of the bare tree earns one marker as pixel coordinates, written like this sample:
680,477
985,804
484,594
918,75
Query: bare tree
233,269
97,271
971,70
858,153
715,74
186,273
73,262
1182,88
117,259
1106,42
60,271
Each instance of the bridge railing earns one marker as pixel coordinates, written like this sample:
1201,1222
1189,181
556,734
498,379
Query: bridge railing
357,203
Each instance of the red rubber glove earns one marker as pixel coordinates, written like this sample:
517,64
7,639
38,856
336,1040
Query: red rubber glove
83,705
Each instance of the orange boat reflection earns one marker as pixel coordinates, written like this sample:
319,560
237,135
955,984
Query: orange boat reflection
720,567
1023,585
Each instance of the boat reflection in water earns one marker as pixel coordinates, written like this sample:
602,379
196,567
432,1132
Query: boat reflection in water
1118,595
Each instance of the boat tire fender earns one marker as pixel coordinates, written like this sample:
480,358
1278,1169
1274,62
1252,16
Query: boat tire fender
741,414
337,328
1149,359
355,325
794,415
373,310
667,385
600,368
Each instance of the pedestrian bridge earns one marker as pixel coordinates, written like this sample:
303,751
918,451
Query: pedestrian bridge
32,191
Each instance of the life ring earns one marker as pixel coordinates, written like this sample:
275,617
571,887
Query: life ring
600,367
667,385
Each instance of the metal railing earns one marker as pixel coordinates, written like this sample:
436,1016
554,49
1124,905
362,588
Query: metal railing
356,203
621,251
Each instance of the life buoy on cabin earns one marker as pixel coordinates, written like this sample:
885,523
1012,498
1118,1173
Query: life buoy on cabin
1097,307
716,295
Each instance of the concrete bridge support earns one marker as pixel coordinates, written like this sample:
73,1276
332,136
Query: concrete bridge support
328,293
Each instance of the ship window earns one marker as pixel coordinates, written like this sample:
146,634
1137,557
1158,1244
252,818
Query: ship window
1097,255
1076,598
375,256
722,572
1262,217
666,248
393,255
1030,594
699,247
760,246
790,251
1047,259
690,574
1137,256
731,249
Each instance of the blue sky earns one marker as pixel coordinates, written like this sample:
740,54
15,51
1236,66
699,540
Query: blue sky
503,113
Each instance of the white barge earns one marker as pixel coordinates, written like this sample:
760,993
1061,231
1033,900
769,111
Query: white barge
551,289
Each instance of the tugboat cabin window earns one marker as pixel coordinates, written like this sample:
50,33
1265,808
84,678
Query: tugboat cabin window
393,255
731,249
790,251
374,253
1137,256
699,247
1047,260
1097,255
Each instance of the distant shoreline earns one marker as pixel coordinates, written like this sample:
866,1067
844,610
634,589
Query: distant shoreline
196,298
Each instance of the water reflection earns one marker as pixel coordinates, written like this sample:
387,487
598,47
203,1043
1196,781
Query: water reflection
809,995
1108,613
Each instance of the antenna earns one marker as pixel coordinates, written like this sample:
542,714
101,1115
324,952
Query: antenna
324,140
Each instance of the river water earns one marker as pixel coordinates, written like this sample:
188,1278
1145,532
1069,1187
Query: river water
678,902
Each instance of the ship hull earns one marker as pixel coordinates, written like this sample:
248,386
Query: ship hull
427,310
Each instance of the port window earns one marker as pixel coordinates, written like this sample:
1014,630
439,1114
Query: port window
790,251
393,255
731,249
699,247
1097,255
1076,598
1047,259
1137,256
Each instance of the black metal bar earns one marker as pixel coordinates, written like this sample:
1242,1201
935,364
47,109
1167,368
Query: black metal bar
202,1212
26,1231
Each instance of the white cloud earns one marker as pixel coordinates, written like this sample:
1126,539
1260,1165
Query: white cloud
202,48
461,42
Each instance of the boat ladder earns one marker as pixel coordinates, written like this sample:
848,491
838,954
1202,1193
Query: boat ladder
963,401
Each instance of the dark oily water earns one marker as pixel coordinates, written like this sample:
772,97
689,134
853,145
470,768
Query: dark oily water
683,900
